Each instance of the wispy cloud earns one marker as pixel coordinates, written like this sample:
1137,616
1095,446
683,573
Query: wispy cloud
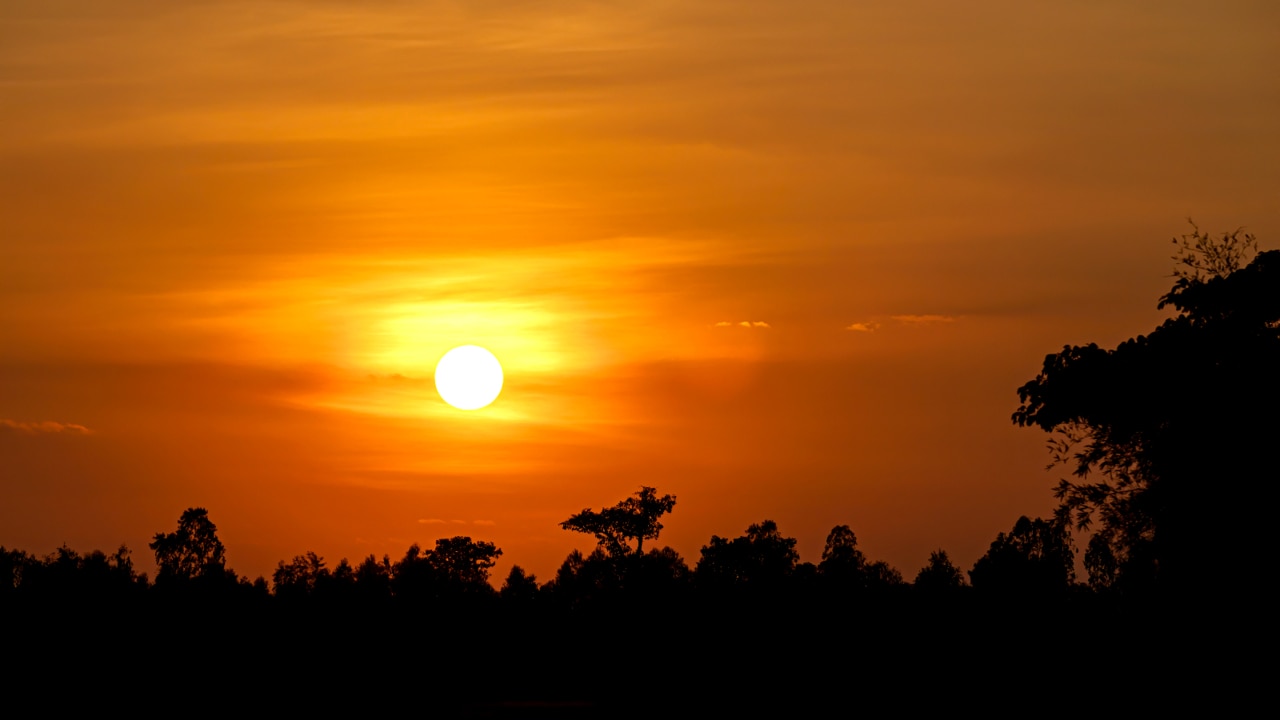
744,323
924,319
44,426
438,521
866,327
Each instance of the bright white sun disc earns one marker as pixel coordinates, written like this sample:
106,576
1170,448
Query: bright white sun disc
468,377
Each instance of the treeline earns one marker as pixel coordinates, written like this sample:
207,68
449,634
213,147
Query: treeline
614,632
1036,558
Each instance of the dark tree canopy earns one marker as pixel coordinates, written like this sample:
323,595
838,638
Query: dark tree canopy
68,575
761,557
840,554
1036,557
193,550
519,586
1170,436
635,518
939,575
463,561
457,566
843,566
300,576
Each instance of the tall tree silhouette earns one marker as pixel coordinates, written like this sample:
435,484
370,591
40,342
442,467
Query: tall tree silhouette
193,550
635,518
1036,557
1180,424
843,565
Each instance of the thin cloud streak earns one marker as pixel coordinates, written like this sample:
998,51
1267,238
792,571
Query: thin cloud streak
438,521
44,426
744,324
924,319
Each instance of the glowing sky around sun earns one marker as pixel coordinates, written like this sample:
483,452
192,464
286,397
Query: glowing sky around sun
782,260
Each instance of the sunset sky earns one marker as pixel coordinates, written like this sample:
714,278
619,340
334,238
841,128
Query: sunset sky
785,261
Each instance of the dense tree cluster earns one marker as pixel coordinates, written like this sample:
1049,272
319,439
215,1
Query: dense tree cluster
1170,436
762,562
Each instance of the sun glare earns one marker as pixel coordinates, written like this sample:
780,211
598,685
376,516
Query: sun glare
469,377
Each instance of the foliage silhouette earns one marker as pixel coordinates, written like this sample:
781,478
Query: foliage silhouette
881,575
634,518
373,578
1180,424
457,567
300,577
65,575
762,558
14,566
659,575
1036,557
192,551
519,587
464,562
840,554
583,580
843,567
939,575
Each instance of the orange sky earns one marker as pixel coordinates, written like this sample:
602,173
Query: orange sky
236,237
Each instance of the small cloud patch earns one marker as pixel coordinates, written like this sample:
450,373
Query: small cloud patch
866,327
924,319
744,324
44,426
439,521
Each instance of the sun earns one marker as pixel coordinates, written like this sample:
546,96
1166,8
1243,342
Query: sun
468,377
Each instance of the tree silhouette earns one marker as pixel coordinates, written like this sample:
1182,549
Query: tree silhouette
14,566
1036,557
843,567
193,550
464,562
584,579
519,587
1179,424
882,575
659,573
457,567
299,577
939,575
373,578
67,576
762,557
634,518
